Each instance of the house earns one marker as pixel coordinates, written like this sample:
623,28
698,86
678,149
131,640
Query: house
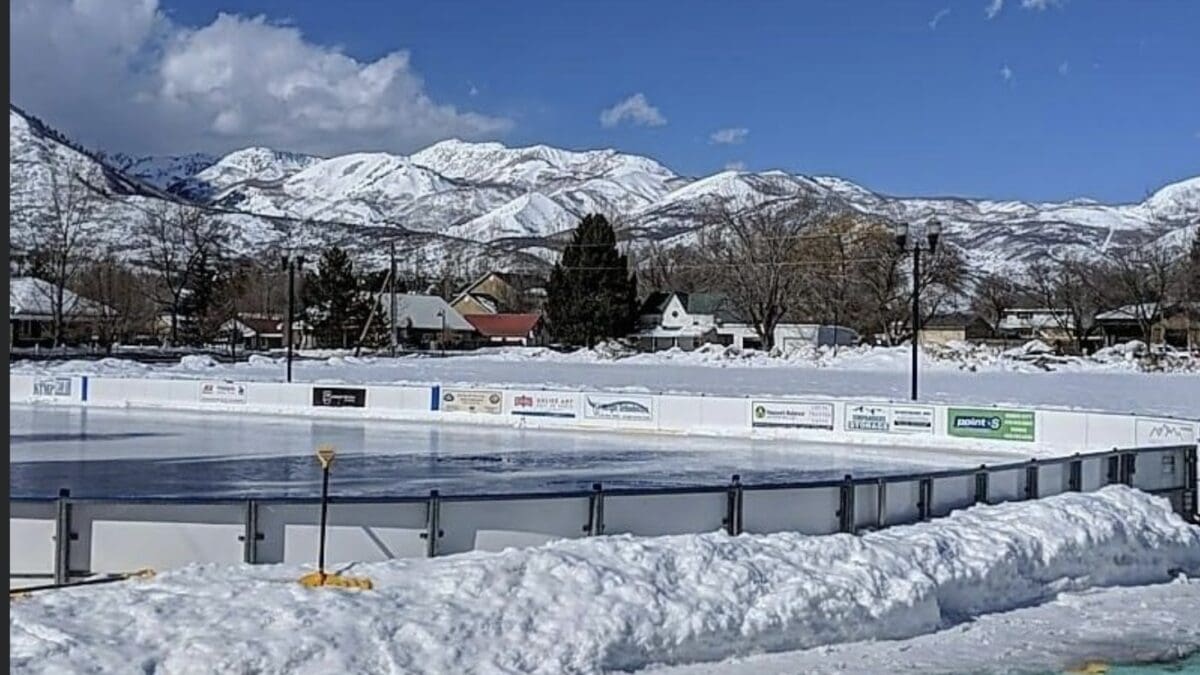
688,320
31,312
509,329
501,292
425,321
1173,323
264,332
942,329
1050,325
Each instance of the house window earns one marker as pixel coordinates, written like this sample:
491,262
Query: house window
674,314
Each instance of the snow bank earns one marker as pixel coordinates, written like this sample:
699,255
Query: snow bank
612,602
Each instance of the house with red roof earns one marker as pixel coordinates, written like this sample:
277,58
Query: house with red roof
509,329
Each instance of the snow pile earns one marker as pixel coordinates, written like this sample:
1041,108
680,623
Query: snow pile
613,602
198,362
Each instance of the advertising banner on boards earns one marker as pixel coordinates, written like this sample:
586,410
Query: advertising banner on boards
796,415
544,404
889,418
618,407
488,402
223,392
339,397
1151,432
991,423
52,387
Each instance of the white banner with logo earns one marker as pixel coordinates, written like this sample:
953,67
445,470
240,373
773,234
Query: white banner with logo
887,418
483,401
618,407
53,387
1151,432
223,392
791,414
544,403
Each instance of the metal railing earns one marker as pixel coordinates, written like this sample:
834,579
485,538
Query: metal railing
277,530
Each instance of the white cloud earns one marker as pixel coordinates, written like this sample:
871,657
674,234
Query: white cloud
1006,73
122,76
994,6
735,166
937,18
729,136
636,109
1064,68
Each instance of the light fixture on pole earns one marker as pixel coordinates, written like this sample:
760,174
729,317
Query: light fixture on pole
933,230
442,339
290,264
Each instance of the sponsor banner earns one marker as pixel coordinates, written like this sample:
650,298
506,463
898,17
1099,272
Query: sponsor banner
1164,432
545,404
472,400
791,414
618,407
223,392
339,397
52,387
991,423
912,419
889,419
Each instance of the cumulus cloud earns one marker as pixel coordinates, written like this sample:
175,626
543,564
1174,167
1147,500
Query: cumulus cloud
122,76
729,136
937,18
1006,73
636,110
993,8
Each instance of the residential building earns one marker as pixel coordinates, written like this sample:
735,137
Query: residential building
31,313
1050,325
942,329
509,329
1172,323
500,293
688,320
426,321
262,332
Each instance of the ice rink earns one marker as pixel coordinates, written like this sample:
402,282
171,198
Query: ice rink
129,452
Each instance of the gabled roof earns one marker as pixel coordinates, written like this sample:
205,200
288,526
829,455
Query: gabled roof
504,325
423,312
32,297
694,303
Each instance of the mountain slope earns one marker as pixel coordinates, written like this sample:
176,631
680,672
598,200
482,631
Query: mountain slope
474,201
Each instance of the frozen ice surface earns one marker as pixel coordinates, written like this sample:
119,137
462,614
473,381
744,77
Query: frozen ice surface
102,452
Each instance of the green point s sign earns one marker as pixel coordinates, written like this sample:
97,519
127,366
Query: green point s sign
991,423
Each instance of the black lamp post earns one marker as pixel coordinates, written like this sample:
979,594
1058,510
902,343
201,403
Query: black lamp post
290,264
442,339
933,230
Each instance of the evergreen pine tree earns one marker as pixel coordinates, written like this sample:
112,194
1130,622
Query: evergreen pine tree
1193,271
334,305
591,295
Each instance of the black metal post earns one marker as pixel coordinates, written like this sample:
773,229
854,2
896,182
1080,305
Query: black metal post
324,512
916,314
291,320
392,300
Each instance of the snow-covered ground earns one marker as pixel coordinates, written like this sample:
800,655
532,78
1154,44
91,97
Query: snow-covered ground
623,603
963,377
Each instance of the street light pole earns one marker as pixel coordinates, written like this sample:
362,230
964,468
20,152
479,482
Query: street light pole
442,339
933,230
392,301
290,264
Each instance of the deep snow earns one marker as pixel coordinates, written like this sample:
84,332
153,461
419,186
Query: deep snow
615,602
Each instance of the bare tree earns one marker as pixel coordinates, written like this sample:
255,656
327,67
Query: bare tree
882,287
1070,287
122,293
176,240
756,257
995,294
61,233
1144,279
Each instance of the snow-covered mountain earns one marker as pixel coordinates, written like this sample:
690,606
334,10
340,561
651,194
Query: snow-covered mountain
472,201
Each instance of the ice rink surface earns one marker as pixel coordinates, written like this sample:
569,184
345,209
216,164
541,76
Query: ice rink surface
129,452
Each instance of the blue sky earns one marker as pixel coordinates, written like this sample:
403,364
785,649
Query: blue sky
1039,100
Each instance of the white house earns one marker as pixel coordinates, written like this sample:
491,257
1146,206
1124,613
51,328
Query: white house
31,310
688,320
425,320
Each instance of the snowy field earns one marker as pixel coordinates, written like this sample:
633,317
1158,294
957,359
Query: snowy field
100,452
1119,385
1021,586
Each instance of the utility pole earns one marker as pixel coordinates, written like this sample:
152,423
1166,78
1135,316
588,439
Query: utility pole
392,300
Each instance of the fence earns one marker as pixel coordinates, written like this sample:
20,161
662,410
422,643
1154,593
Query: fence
70,538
